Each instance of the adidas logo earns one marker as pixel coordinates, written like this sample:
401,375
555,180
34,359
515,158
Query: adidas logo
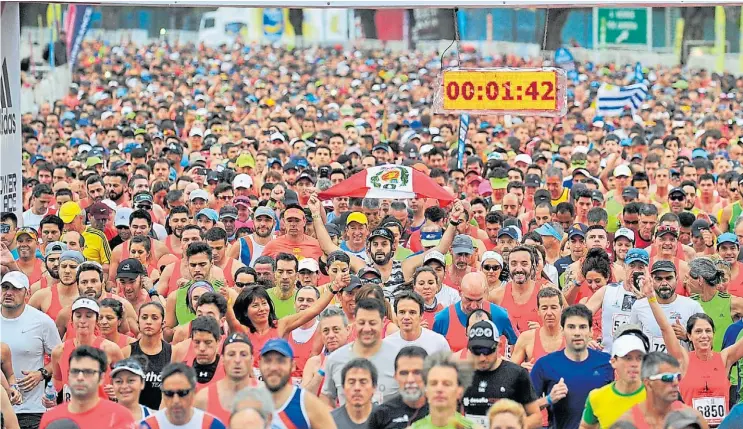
8,120
5,101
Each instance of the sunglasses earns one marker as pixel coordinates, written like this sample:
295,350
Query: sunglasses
180,393
482,351
667,377
242,285
677,198
491,267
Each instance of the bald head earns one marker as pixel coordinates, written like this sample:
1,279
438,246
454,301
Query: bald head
511,204
473,288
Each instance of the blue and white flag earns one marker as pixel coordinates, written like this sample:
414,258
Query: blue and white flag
464,125
612,100
638,73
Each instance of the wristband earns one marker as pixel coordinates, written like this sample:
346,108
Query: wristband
321,372
653,299
549,400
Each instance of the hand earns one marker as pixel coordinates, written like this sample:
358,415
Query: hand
456,211
31,380
559,391
314,204
109,389
147,283
424,324
679,330
47,403
6,259
225,292
645,287
181,282
709,239
528,365
342,281
532,324
594,345
15,396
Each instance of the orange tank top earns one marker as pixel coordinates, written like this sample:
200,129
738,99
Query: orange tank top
521,314
706,387
430,315
214,406
304,351
735,285
638,416
174,277
55,306
456,335
64,367
36,272
537,352
259,340
227,271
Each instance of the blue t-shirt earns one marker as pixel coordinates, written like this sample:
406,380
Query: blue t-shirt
580,377
563,263
498,315
734,420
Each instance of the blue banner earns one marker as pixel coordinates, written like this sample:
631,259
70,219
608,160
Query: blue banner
464,124
564,59
79,23
638,73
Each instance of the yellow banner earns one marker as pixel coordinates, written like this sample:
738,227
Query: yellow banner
500,90
678,41
719,39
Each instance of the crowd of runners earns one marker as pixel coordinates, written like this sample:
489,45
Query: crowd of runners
176,267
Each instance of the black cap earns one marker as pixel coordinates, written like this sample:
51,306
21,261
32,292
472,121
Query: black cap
228,211
369,270
355,283
213,176
596,195
307,176
663,266
676,191
698,226
333,230
483,334
290,166
382,232
532,181
577,229
542,196
142,197
130,269
630,192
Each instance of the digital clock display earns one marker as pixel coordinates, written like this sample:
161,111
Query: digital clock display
536,91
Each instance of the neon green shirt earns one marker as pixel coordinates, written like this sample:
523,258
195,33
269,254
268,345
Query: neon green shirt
283,307
426,423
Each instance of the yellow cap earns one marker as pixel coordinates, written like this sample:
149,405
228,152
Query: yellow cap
69,211
357,217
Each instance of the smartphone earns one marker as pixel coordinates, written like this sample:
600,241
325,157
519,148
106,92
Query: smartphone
4,228
636,280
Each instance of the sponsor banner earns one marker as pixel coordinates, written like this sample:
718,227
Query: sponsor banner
11,197
77,23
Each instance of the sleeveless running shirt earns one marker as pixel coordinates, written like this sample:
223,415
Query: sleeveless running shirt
718,308
292,414
151,395
706,387
521,314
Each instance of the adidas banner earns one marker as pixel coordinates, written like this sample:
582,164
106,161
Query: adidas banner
11,199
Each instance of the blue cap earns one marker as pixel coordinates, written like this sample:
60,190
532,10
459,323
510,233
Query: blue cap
83,122
76,141
637,255
210,213
577,229
549,230
37,158
699,153
727,237
278,345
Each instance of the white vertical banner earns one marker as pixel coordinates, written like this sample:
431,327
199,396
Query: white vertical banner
11,197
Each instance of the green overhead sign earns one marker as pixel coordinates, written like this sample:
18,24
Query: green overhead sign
625,26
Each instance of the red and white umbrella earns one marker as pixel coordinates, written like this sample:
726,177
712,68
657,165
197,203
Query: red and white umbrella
388,181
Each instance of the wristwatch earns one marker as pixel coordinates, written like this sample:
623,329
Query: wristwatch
44,373
453,223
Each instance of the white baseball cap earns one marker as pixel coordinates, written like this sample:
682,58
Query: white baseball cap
198,193
626,233
522,157
492,255
242,181
626,344
277,136
122,216
17,279
88,303
309,264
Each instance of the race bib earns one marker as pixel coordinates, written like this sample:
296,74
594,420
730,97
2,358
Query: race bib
617,320
712,408
481,421
66,393
658,345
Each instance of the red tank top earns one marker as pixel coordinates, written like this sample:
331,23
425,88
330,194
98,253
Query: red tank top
169,245
123,341
304,351
521,314
429,316
214,406
706,387
36,272
227,271
456,335
259,340
586,292
174,277
735,286
55,306
638,416
64,367
538,351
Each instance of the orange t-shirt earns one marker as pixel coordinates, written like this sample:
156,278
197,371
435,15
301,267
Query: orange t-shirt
307,248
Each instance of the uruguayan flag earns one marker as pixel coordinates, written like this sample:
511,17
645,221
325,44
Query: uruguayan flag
611,100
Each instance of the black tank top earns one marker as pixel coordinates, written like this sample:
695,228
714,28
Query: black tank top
151,394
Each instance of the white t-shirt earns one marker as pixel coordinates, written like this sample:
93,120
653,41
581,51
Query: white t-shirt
302,335
31,220
679,310
447,296
196,422
431,341
615,311
29,336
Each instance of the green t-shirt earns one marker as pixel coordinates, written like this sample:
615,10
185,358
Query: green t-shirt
402,253
281,307
425,423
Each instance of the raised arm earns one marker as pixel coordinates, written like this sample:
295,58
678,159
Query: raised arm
410,264
291,322
321,233
673,344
